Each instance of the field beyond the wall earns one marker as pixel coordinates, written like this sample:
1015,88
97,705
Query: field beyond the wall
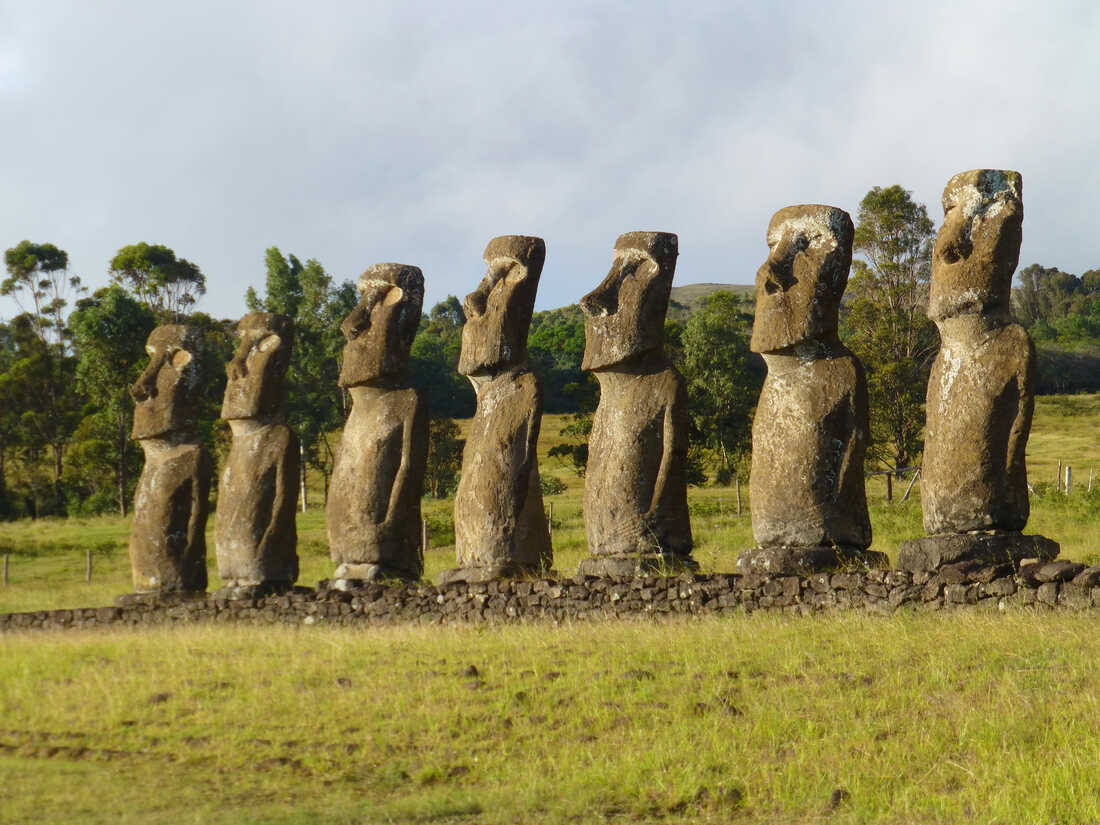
938,717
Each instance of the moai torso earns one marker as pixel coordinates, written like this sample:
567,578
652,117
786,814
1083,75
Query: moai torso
499,517
980,393
635,493
254,528
373,510
172,500
635,487
809,438
810,429
500,526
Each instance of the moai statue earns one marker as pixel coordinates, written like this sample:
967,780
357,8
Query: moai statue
172,500
810,431
373,510
254,529
981,390
635,488
500,526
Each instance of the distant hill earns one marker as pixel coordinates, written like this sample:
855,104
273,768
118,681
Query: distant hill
686,299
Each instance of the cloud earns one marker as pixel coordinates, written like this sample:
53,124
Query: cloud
359,132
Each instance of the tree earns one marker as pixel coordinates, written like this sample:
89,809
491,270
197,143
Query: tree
723,379
885,322
41,374
444,457
110,330
169,285
433,362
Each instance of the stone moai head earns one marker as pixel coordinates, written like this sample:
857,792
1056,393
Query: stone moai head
498,312
166,393
626,313
978,246
255,374
799,287
381,328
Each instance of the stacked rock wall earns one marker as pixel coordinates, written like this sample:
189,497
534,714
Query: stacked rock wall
1061,584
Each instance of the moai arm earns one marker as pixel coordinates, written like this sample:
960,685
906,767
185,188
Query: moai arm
414,448
1025,408
284,471
531,401
673,426
200,495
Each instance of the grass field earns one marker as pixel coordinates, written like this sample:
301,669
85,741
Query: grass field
911,718
908,719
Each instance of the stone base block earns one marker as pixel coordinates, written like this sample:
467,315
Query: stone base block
625,567
236,590
994,547
159,598
473,575
803,561
369,573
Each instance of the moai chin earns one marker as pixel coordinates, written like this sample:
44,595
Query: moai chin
810,431
254,526
635,488
981,390
500,526
171,503
373,510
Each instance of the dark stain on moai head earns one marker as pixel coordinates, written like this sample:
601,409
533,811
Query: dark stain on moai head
978,246
166,392
255,373
381,327
626,313
799,287
498,312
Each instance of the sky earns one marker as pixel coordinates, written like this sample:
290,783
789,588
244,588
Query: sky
358,132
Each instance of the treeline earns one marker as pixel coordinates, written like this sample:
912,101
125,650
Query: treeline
68,358
1062,313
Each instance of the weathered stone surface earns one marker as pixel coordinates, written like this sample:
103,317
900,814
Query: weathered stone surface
804,561
373,511
635,491
500,525
933,552
254,526
981,390
171,502
810,430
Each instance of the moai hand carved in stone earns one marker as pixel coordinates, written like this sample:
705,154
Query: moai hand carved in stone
373,510
254,527
500,526
635,489
810,431
172,500
981,390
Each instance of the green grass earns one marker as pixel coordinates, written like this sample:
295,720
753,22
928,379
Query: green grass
919,718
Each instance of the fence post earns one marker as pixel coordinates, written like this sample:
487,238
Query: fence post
739,495
1058,478
423,535
302,483
909,489
1069,478
889,486
88,565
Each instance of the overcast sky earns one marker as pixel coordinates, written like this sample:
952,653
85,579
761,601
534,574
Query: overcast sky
358,132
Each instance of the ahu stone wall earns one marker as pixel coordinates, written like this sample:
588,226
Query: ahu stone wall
1054,584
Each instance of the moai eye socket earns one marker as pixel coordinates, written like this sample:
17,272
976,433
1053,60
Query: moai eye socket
180,359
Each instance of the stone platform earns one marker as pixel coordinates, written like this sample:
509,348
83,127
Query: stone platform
804,561
990,547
